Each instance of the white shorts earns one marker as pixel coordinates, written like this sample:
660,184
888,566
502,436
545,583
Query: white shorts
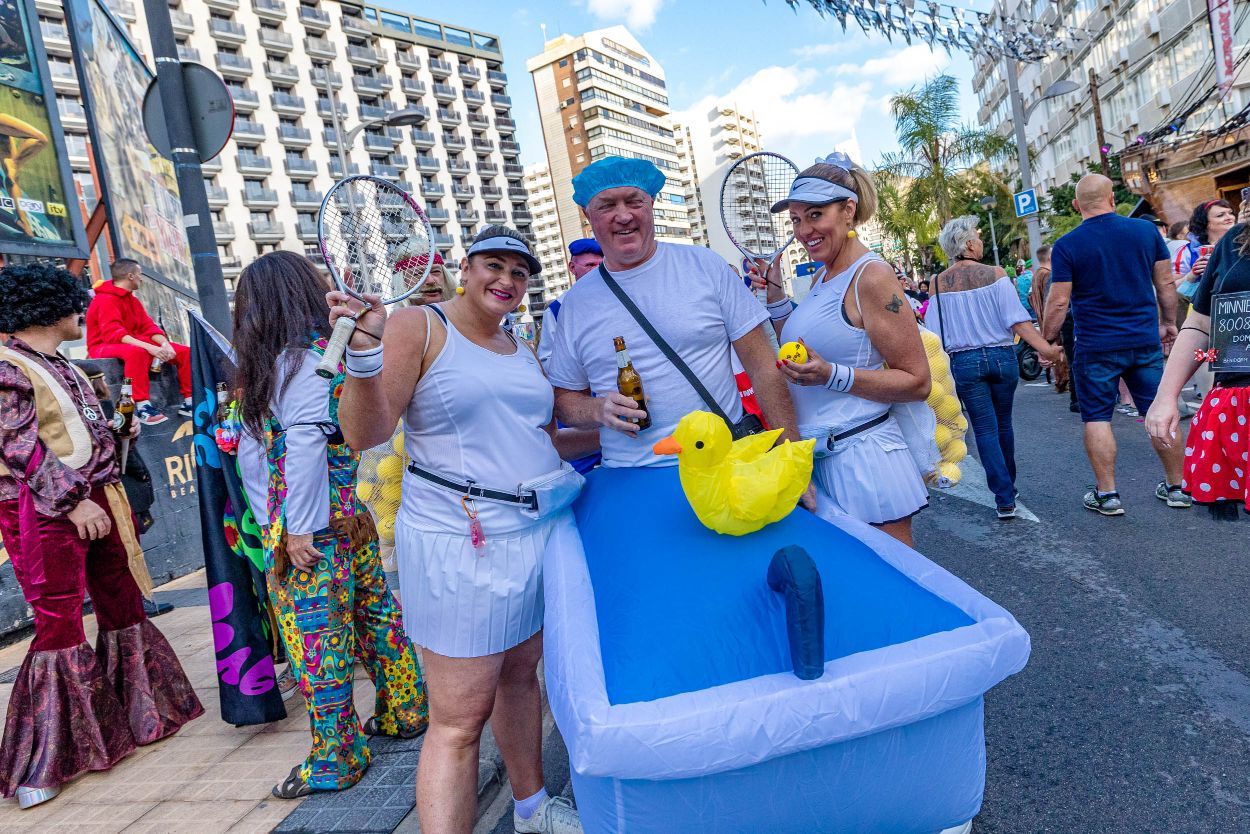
874,479
460,604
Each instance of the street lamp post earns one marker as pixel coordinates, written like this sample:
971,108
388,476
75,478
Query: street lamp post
1019,118
400,118
989,204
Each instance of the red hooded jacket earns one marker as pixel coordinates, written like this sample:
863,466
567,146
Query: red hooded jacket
115,312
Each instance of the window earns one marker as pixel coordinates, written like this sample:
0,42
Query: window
457,36
398,22
581,157
426,29
573,120
566,82
564,62
485,43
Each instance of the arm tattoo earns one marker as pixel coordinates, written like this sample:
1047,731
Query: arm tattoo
895,304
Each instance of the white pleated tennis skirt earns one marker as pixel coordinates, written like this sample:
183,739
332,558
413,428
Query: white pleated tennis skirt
874,480
460,604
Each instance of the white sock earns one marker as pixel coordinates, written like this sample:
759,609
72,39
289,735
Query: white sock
525,808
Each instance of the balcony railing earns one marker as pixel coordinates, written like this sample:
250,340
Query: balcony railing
265,230
306,229
306,197
517,192
245,101
320,47
470,72
372,111
406,59
227,30
296,166
372,84
259,196
501,101
423,138
379,143
381,169
428,163
434,189
247,129
281,71
440,69
323,108
496,78
467,216
269,9
463,191
448,116
216,195
484,145
412,87
318,76
223,230
280,41
478,120
496,216
295,135
453,141
354,25
487,169
184,24
185,53
364,54
234,65
492,192
444,92
444,240
286,101
509,147
253,163
439,213
505,123
314,18
456,166
474,97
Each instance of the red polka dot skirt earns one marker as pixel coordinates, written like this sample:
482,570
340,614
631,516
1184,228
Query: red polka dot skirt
1217,451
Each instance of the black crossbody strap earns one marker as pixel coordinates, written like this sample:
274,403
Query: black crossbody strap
669,353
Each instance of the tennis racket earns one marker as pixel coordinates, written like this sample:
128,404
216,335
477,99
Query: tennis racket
375,240
751,187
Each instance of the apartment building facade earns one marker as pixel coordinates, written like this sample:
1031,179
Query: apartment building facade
601,94
427,103
1150,56
550,246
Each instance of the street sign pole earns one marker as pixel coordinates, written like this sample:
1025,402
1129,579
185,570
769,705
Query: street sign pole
210,285
993,236
1022,149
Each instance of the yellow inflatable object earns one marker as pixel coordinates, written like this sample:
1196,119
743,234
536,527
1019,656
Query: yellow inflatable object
736,487
793,352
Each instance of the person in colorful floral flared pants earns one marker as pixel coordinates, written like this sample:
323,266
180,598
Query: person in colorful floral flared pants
321,547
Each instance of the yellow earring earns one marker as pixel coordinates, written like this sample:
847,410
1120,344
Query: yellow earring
459,290
520,308
851,235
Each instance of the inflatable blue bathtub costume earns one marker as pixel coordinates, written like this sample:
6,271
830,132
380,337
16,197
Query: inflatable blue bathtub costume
672,679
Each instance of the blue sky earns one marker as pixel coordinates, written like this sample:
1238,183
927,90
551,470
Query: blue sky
812,87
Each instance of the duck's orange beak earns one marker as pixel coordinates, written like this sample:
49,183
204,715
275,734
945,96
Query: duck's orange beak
667,446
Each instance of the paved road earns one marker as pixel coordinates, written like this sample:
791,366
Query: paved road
1134,711
1133,714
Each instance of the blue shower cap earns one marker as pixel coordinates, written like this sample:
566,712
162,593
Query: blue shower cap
616,172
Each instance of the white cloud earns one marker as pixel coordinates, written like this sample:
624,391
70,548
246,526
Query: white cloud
908,66
801,115
637,14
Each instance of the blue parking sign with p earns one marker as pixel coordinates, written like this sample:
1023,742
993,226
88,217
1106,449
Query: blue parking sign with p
1026,202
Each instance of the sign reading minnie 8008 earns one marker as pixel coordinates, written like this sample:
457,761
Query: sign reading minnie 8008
1230,331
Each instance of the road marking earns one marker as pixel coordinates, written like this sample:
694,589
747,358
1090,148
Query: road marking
973,487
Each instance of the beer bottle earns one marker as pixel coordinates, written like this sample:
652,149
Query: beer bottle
628,382
125,409
155,367
223,403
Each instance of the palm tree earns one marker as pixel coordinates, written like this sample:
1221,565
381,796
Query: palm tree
934,148
911,231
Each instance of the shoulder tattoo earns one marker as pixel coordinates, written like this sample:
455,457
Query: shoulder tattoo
895,304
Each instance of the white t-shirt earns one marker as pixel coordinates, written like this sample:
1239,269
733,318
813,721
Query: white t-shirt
695,301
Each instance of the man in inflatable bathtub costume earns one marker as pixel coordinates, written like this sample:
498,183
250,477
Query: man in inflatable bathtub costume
805,677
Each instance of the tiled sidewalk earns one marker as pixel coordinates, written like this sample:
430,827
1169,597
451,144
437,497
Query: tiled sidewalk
210,777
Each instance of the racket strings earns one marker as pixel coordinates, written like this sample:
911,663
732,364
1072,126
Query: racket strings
753,185
374,239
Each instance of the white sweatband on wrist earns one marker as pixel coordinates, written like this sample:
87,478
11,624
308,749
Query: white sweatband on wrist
778,310
363,364
841,378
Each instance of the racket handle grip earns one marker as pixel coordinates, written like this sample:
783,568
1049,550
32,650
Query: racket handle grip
339,337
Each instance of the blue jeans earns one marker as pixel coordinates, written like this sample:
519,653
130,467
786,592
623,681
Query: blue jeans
985,379
1097,375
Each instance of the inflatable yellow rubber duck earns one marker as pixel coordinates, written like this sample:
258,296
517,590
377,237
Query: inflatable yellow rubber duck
737,486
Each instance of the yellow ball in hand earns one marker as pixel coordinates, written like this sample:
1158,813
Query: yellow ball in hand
793,352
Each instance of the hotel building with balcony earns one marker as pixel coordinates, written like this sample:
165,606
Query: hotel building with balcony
455,147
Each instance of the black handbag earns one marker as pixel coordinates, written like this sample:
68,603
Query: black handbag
749,424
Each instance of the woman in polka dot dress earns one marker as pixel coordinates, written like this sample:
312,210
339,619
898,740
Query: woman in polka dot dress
1217,450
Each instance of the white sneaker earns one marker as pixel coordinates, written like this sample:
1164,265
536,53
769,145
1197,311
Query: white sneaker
555,816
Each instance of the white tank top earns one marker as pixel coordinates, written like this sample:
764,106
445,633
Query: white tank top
822,324
481,416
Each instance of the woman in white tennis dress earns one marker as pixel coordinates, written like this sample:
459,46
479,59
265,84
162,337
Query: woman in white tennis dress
854,322
478,426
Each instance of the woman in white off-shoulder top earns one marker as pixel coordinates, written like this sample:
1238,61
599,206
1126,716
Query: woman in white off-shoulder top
976,311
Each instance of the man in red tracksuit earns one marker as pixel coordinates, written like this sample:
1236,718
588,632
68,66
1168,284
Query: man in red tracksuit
119,328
